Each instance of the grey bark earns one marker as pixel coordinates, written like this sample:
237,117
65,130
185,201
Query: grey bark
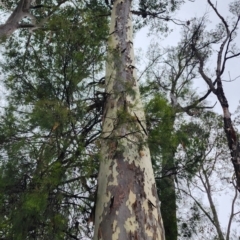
13,22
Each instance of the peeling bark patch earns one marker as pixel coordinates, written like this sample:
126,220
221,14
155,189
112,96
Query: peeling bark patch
154,190
112,148
111,202
141,153
129,145
110,178
133,236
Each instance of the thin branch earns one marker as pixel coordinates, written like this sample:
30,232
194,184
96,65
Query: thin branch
231,80
219,15
199,205
232,214
228,44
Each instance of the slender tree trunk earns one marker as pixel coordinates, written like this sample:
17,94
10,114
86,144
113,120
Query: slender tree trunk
207,186
127,202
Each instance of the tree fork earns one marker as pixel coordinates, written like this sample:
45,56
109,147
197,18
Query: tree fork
127,202
12,24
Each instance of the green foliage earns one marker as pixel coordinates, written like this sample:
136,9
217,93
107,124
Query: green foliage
149,9
163,143
178,146
160,120
48,157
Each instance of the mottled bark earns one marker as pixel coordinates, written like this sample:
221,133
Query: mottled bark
127,201
13,22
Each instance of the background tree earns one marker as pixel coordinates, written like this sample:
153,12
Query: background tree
159,69
49,153
208,185
170,75
200,40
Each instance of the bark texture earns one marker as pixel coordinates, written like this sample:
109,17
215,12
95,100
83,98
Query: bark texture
12,24
127,201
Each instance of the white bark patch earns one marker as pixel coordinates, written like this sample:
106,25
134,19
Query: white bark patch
131,224
116,230
114,175
130,201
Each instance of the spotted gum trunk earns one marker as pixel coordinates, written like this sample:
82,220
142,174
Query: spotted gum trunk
127,203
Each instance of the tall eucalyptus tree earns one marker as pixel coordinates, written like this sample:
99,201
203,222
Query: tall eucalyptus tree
127,202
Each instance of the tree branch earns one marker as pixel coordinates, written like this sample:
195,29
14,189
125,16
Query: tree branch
12,24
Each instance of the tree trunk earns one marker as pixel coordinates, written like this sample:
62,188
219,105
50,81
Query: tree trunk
12,24
127,202
232,138
212,206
